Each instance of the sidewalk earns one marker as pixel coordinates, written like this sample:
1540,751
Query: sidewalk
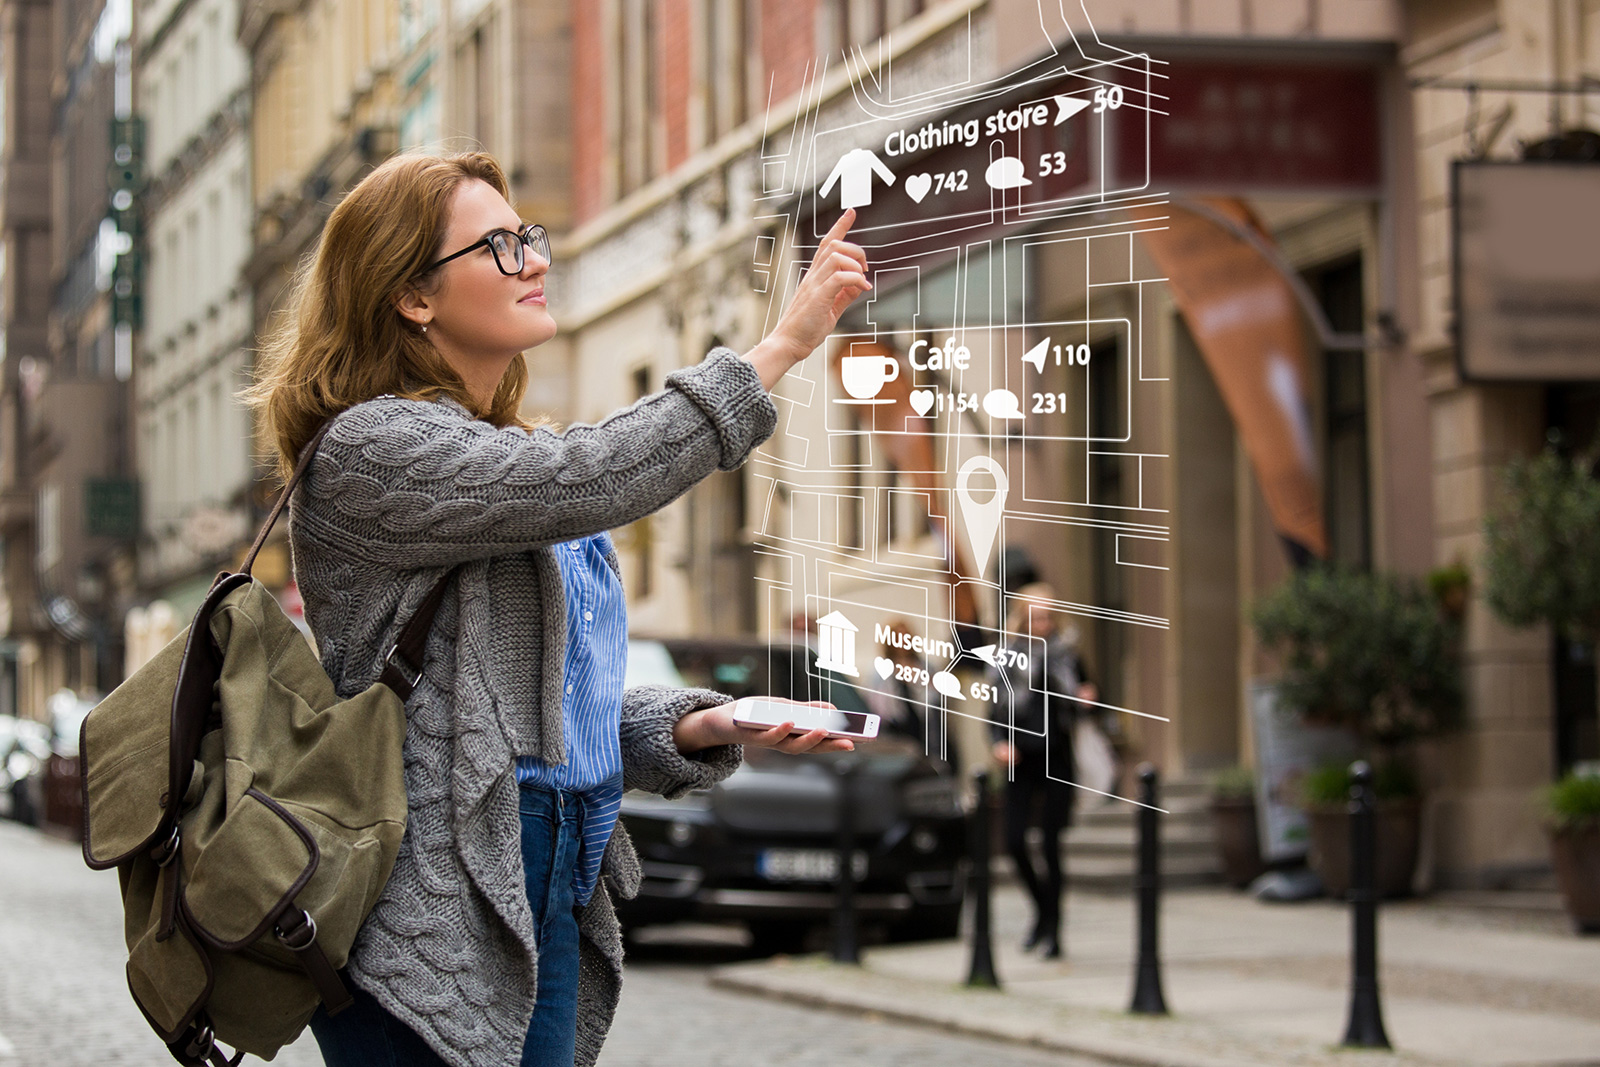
1248,984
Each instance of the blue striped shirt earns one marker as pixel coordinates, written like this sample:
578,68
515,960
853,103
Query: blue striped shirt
591,703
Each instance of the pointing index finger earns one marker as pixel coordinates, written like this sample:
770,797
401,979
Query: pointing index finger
842,227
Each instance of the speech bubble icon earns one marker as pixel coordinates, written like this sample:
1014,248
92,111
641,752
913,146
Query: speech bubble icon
1007,172
1001,404
948,684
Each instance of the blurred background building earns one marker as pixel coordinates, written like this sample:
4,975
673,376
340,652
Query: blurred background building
633,129
71,526
191,436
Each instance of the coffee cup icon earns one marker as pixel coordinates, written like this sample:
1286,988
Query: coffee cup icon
863,376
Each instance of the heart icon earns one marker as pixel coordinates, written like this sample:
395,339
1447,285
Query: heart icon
917,186
922,401
885,667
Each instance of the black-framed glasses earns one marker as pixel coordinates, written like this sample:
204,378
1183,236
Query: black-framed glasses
509,248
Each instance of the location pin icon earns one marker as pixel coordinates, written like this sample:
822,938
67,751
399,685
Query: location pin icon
982,520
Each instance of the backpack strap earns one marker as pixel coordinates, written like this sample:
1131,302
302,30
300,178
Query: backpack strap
300,468
402,664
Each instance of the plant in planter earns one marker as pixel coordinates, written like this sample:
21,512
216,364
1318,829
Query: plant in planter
1451,586
1233,810
1325,791
1542,564
1572,806
1376,655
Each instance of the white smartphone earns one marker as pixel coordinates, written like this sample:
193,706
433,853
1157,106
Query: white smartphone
759,714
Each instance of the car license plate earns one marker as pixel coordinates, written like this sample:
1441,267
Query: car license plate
806,865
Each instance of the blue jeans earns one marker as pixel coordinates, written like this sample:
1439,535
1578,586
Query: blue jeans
364,1035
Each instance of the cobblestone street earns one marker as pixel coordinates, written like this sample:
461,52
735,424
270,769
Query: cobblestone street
63,1002
669,1017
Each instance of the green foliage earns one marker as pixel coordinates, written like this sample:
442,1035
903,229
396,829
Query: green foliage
1369,652
1330,783
1542,545
1574,802
1450,586
1234,783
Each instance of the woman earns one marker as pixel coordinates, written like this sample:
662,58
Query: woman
494,942
1037,747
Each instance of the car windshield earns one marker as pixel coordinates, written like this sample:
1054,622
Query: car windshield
649,663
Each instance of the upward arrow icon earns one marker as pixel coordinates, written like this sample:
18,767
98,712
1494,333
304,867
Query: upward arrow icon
1068,106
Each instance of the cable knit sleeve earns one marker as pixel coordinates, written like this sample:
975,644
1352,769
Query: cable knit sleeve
410,484
651,761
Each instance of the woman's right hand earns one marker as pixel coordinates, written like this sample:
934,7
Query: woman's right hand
837,275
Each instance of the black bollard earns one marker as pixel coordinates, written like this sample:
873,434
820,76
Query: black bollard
846,940
1365,1029
1147,997
981,973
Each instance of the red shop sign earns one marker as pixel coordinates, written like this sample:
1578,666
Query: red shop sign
1239,126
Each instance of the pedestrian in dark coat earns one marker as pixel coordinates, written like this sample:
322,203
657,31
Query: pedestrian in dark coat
1034,745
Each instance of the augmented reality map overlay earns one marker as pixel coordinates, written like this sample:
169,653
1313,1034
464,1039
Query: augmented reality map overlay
964,424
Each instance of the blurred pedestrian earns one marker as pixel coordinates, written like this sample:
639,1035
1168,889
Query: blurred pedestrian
493,943
1036,746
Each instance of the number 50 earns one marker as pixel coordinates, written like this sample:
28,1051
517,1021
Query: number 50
1107,99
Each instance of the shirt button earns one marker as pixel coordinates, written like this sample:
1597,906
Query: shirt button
569,687
588,616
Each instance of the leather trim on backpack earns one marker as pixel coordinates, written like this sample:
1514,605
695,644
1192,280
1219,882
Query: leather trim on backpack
169,1036
285,902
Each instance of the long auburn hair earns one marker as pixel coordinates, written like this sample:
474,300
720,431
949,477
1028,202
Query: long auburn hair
340,338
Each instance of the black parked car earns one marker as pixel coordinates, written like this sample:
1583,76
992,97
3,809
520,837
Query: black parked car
761,846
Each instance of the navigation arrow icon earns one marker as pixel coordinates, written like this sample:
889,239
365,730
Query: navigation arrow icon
1069,106
1036,354
985,653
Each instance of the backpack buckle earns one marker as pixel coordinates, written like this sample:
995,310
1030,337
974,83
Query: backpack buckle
300,935
202,1040
167,851
396,659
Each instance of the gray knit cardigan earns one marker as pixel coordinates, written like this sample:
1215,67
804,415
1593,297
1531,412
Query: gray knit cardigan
401,491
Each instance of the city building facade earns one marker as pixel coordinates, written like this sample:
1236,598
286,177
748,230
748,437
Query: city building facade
72,268
27,63
649,137
193,437
1302,117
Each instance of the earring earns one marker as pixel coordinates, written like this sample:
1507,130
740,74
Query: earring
424,327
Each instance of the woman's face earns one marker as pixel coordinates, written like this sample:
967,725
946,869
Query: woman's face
478,318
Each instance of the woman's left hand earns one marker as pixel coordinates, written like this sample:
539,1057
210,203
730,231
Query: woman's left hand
715,726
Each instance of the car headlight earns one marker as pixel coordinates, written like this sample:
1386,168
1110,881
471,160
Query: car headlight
933,798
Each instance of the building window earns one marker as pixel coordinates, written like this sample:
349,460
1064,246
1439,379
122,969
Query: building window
638,76
1347,508
637,539
1107,402
49,550
721,62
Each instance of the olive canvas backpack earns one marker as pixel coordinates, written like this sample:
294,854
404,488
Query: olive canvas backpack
253,816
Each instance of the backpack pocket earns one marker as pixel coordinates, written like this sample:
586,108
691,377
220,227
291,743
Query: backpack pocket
249,872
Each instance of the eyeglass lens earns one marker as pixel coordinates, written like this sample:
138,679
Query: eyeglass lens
508,247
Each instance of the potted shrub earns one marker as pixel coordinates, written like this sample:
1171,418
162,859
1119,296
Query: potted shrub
1233,812
1573,808
1376,655
1542,565
1326,794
